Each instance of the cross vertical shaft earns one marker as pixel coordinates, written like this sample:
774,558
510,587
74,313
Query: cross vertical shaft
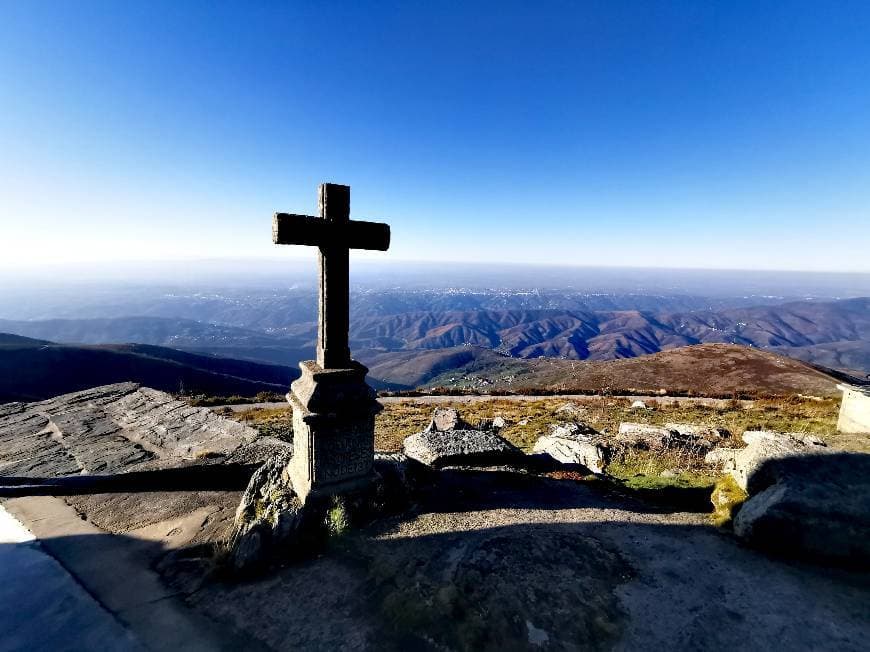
333,351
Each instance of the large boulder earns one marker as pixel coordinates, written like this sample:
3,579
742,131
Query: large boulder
445,420
691,430
268,519
438,449
495,424
575,443
112,429
395,481
643,435
762,446
810,505
683,436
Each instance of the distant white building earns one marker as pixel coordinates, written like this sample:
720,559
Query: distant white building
854,409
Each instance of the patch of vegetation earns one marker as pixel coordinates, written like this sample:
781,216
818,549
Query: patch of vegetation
268,422
644,469
337,519
204,400
727,497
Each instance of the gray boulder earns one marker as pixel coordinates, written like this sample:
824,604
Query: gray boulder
268,518
460,448
655,438
446,419
643,435
721,456
692,430
575,443
569,410
495,424
762,446
396,479
810,505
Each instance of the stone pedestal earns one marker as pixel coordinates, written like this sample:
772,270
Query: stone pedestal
333,430
854,410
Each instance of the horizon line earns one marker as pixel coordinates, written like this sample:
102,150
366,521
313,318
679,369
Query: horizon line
39,269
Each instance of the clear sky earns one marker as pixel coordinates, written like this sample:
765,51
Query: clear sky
686,134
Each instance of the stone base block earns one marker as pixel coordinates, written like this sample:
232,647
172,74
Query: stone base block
333,431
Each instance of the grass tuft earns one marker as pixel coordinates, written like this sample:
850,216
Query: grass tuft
727,497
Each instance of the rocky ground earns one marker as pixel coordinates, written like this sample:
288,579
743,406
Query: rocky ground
483,559
498,561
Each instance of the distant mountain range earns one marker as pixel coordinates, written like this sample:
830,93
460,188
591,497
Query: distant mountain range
833,334
33,369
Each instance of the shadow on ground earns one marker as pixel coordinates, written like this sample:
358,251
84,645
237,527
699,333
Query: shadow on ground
485,561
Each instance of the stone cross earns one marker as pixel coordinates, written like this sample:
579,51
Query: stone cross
333,407
335,234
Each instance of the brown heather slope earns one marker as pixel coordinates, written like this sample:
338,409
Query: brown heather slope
703,369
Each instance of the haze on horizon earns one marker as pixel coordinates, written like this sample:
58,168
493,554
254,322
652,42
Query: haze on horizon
669,135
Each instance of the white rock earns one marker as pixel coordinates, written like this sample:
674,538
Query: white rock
575,443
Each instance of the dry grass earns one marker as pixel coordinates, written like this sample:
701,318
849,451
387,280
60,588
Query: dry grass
269,422
528,420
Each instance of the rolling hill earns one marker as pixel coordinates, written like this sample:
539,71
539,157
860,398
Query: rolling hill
703,369
32,369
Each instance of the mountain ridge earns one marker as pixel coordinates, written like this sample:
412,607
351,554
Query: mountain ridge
32,369
834,334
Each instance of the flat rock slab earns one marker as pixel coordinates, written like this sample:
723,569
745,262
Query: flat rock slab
460,448
575,443
110,429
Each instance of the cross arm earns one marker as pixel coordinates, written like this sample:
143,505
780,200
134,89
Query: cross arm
314,231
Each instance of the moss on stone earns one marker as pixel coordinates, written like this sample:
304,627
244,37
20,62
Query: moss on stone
727,497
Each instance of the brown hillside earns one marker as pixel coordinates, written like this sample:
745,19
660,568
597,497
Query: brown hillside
711,369
703,369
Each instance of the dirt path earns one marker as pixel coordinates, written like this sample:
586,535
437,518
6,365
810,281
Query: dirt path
440,400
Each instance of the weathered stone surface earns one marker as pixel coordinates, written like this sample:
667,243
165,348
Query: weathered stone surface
721,456
575,443
396,478
644,435
333,430
854,409
460,448
495,424
268,518
710,433
570,410
657,438
333,233
110,429
273,523
762,446
444,419
811,505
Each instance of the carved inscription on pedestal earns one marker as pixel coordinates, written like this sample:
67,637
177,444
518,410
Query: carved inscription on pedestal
343,454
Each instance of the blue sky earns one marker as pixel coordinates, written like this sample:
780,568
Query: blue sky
680,134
